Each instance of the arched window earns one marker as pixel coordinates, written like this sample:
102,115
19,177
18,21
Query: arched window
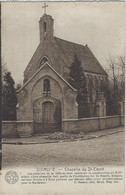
46,85
90,90
87,77
44,27
96,81
44,59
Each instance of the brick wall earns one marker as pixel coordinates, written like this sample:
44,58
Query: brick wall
25,128
92,124
9,129
13,129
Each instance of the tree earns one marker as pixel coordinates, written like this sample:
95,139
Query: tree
78,81
116,73
106,88
121,77
9,99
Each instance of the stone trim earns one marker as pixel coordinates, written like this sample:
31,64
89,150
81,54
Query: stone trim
17,121
46,63
91,118
98,74
69,120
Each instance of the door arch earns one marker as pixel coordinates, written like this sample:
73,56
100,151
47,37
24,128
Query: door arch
51,116
48,117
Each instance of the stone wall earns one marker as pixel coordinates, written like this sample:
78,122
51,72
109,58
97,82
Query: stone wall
92,124
9,129
123,120
13,129
25,128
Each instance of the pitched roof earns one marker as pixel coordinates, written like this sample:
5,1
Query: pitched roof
61,53
84,54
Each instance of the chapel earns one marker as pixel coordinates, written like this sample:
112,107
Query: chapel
46,98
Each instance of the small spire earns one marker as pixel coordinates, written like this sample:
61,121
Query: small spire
44,7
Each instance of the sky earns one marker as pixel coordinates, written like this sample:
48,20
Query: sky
100,25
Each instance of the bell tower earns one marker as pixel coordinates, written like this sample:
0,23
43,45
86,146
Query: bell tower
46,27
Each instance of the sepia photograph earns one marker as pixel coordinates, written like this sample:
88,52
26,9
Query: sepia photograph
63,96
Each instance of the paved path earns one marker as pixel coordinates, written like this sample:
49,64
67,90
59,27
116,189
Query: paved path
105,150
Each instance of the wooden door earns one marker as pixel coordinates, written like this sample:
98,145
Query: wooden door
47,117
47,112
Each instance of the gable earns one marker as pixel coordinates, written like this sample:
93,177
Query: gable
47,49
48,67
60,55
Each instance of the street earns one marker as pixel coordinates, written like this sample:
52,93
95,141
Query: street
102,151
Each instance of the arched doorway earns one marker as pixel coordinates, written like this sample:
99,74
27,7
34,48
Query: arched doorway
49,118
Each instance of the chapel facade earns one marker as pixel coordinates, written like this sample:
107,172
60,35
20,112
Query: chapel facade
46,97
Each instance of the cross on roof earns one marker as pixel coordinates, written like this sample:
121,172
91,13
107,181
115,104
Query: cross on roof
44,7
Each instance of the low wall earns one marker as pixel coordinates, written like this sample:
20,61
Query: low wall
12,129
123,120
25,128
88,124
9,129
92,124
